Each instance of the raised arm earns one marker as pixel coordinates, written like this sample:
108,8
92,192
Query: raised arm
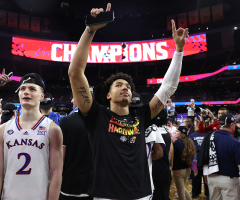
55,160
171,78
78,80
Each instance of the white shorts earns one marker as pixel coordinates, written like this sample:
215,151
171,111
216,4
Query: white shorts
144,198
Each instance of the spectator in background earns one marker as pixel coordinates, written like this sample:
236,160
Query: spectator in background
46,106
184,152
161,167
189,124
223,161
153,137
215,125
77,158
237,130
176,124
170,106
197,138
8,112
171,129
191,109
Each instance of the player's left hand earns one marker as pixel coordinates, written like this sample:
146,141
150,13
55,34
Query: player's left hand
179,36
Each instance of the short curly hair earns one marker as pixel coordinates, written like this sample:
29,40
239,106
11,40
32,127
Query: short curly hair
105,88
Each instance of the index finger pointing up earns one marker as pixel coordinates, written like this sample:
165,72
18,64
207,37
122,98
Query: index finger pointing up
173,26
108,7
3,71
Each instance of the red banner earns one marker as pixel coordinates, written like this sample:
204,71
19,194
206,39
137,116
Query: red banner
205,15
115,52
217,12
12,19
193,17
35,24
3,17
169,23
24,22
182,20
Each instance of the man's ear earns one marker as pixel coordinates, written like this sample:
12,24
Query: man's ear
108,96
42,97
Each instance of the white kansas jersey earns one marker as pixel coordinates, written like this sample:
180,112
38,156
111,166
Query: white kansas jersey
26,161
154,136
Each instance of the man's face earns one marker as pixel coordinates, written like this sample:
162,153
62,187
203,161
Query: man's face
221,112
120,92
233,125
186,123
74,103
169,100
169,123
192,101
238,124
30,95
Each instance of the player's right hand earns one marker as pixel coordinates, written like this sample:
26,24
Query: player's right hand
96,11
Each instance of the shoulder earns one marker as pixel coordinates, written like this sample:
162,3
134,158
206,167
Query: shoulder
2,128
194,134
55,131
177,142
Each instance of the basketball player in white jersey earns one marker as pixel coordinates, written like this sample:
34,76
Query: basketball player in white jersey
30,149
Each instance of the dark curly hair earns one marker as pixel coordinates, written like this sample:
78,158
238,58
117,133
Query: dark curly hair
105,87
189,150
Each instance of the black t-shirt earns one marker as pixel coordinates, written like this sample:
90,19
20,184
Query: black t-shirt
78,159
120,168
160,167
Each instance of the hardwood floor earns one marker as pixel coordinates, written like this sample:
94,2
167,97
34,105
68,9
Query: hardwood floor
174,195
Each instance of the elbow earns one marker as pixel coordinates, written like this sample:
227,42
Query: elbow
75,72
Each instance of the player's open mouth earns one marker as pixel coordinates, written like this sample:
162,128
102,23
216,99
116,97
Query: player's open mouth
26,98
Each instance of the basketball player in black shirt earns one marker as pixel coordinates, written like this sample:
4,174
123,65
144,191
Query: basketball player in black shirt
120,169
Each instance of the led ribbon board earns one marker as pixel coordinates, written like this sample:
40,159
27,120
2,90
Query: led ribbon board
197,103
194,77
181,78
115,52
208,103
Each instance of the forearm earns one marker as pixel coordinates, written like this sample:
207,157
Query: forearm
80,56
55,185
171,78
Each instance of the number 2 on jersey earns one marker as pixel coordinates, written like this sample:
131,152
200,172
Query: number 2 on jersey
28,160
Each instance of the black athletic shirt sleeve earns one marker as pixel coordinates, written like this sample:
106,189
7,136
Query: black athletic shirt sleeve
64,127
